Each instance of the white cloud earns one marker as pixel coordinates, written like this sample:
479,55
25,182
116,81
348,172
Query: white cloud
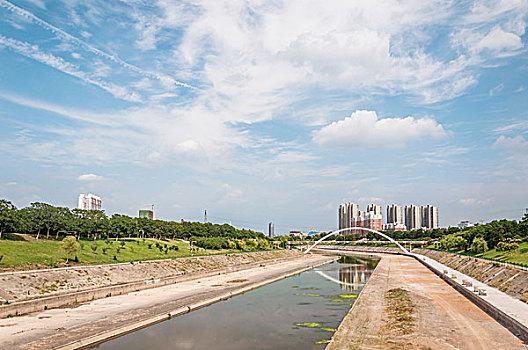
75,55
499,40
517,144
33,52
364,129
493,91
89,177
81,43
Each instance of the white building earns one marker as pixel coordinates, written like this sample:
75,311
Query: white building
90,202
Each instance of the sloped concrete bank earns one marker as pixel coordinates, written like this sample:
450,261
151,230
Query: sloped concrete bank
509,280
41,290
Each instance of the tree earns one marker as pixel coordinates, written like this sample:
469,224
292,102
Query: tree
479,245
70,246
7,216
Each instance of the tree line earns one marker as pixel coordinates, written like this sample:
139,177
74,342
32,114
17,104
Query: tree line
501,235
44,220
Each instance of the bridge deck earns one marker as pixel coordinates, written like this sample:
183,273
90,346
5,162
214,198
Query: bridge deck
444,318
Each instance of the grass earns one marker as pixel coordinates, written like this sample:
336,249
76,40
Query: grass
48,253
518,256
399,310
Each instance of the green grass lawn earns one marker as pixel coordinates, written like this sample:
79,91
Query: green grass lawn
519,256
35,253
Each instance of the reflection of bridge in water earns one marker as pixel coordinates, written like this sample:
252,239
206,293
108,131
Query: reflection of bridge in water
351,277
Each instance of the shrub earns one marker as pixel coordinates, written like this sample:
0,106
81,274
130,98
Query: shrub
479,245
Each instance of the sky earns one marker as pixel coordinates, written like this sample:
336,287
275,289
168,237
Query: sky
264,111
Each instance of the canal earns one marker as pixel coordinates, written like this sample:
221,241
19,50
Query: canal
299,312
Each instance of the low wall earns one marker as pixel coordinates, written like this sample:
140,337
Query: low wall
76,297
507,279
517,328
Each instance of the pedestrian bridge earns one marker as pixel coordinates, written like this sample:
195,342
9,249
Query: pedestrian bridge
356,228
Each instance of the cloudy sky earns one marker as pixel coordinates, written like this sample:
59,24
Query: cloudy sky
265,111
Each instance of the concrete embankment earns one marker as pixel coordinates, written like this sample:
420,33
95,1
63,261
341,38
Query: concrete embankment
437,318
509,280
72,328
33,291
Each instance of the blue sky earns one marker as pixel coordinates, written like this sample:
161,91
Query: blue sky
265,111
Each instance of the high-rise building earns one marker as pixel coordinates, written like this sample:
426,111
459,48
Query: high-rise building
429,216
394,214
374,208
271,230
413,217
347,212
350,216
90,202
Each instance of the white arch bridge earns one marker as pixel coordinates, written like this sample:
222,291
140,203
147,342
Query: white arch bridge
356,228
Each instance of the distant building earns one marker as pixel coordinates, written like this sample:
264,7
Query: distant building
368,220
394,214
464,224
347,212
394,227
271,230
146,214
350,216
374,208
429,215
90,202
413,217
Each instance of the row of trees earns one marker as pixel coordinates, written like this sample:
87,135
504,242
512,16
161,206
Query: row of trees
41,219
502,235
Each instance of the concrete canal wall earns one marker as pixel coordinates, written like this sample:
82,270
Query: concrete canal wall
41,290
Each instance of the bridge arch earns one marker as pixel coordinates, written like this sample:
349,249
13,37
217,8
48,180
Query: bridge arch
357,228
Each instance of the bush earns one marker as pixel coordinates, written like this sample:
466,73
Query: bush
506,246
479,245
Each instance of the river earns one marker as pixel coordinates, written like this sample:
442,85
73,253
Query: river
299,312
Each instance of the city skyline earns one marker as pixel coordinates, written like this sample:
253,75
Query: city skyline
275,112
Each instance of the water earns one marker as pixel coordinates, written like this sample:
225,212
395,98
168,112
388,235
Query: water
294,313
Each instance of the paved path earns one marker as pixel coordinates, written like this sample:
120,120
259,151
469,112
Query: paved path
444,318
508,304
58,327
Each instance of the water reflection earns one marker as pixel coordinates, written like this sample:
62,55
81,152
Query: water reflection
299,312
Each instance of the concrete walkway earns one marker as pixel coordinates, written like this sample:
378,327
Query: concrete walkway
444,319
59,327
509,305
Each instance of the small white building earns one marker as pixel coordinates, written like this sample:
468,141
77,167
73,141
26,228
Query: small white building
90,202
464,224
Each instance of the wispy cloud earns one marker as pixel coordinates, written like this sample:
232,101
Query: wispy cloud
65,35
90,177
34,52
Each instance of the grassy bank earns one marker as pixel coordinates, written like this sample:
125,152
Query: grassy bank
517,256
48,253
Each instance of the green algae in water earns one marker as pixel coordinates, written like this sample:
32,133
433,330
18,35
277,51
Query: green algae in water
328,329
309,294
325,341
348,296
309,324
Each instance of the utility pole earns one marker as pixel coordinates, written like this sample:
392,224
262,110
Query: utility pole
205,216
152,211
